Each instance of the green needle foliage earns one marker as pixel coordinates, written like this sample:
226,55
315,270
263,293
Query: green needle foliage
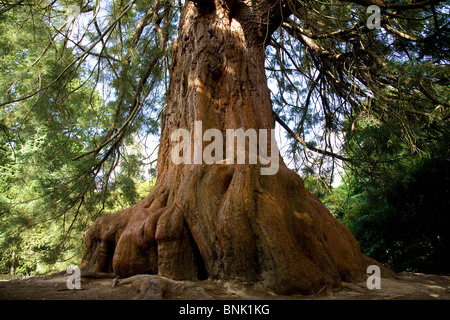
55,107
398,210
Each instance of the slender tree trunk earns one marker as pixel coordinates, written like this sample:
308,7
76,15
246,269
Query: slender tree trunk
12,269
224,221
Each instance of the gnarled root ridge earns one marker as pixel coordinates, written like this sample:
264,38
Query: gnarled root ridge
228,222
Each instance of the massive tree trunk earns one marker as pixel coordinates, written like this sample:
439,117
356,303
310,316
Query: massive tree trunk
225,221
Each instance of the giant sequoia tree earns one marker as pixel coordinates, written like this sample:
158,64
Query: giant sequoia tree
228,221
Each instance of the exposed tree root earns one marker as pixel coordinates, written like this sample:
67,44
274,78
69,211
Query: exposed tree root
229,222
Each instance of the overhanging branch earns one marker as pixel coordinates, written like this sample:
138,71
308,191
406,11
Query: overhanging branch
308,145
387,5
10,6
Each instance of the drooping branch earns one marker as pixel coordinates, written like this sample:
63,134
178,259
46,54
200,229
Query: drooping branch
398,5
135,108
292,27
76,61
430,96
308,145
115,134
10,6
408,37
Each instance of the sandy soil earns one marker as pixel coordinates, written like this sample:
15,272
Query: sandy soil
404,286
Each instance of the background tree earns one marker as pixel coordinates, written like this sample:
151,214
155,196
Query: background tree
397,208
329,68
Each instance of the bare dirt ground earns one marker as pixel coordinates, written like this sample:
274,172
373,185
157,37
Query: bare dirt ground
403,286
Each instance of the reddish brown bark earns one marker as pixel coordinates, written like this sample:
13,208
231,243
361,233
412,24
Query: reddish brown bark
224,221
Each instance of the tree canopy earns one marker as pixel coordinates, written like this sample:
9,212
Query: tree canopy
84,83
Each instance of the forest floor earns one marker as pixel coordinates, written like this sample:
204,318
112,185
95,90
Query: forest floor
403,286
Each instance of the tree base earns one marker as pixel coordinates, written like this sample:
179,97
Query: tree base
229,222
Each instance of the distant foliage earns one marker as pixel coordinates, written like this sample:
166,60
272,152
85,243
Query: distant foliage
399,210
51,112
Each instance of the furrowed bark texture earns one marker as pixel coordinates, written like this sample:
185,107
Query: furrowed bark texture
224,221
